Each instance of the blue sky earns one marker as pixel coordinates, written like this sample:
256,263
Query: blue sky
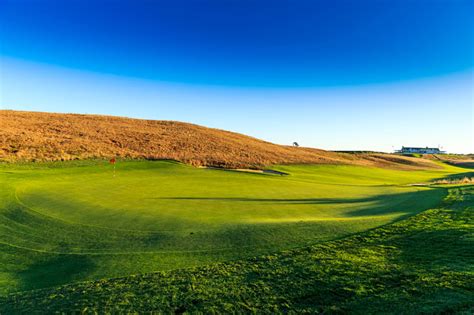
328,74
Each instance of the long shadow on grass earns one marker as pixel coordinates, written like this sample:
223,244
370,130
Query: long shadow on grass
55,271
423,266
379,204
457,176
468,165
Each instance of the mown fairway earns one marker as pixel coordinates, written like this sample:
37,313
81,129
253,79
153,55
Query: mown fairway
73,221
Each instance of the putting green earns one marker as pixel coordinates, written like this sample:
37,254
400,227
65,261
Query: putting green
65,222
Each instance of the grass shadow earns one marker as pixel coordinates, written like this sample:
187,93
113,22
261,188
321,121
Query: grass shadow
56,270
456,176
379,204
468,165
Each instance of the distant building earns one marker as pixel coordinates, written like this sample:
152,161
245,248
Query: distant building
414,150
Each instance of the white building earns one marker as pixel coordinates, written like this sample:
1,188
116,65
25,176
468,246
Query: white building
415,150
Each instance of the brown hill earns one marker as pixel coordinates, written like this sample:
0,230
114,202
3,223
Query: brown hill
36,136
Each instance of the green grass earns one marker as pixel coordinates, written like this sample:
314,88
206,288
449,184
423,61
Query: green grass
422,265
66,222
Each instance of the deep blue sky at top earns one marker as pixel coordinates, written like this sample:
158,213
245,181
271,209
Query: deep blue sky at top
245,43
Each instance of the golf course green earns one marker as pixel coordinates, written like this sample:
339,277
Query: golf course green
65,222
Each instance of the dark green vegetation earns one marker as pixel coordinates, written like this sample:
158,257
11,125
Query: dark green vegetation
424,264
66,222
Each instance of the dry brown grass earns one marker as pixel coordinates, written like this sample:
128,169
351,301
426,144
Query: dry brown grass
36,136
455,181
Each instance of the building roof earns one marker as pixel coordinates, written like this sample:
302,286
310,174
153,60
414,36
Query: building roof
420,148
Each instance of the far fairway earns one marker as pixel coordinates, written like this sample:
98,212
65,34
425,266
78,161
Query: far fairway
73,221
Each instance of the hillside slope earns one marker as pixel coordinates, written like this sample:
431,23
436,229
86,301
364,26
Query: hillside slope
36,136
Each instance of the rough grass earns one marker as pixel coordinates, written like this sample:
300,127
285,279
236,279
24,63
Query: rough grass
423,264
455,181
33,136
65,222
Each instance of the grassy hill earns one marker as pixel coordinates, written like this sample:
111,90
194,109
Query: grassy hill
422,265
35,136
63,222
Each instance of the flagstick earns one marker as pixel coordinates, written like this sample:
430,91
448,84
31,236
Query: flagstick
114,169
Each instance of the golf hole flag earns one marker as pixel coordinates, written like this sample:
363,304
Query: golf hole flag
112,161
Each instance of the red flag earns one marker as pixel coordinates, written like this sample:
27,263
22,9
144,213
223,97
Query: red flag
112,161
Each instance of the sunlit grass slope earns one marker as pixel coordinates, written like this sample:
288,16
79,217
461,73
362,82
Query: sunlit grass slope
73,221
421,265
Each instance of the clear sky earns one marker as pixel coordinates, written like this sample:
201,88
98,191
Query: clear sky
328,74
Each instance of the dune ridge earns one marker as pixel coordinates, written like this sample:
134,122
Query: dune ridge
40,136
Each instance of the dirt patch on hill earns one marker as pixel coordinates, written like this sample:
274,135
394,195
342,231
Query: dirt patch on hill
36,136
